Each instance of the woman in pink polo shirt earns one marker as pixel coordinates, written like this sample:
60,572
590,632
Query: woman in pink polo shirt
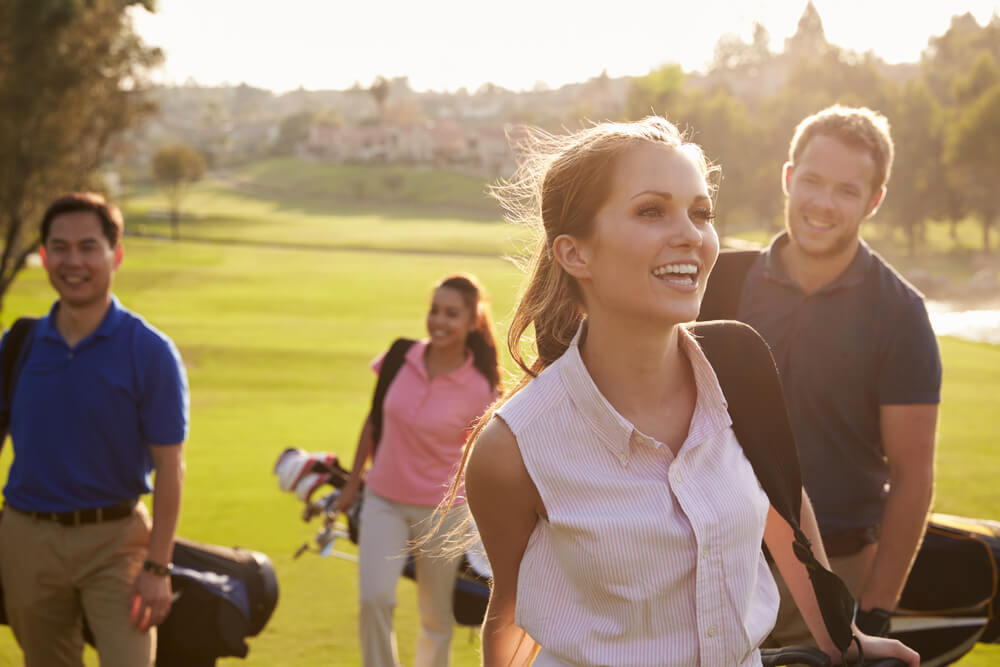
622,519
445,384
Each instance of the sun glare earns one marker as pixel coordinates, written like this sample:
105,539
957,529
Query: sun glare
518,44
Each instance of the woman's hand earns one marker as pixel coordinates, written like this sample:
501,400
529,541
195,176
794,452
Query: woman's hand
348,494
883,647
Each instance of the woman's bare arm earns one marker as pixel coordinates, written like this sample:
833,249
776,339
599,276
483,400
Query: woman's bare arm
778,536
506,506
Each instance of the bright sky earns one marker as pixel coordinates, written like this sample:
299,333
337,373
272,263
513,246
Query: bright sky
447,44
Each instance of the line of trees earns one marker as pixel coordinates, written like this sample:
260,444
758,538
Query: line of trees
945,117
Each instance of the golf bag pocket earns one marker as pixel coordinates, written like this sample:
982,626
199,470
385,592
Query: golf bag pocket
224,595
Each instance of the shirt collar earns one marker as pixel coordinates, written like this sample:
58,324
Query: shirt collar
415,357
852,276
616,432
112,318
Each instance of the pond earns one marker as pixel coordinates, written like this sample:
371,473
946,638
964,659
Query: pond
979,325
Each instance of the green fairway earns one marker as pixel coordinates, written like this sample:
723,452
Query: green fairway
277,342
258,206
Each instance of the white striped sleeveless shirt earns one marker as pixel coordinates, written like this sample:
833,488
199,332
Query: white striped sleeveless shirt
646,558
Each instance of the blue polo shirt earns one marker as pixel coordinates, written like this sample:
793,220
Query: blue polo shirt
82,419
861,342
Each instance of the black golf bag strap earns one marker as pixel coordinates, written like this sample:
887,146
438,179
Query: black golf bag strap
725,285
391,364
749,379
16,344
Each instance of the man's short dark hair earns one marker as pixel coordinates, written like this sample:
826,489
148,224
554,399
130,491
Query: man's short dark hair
112,222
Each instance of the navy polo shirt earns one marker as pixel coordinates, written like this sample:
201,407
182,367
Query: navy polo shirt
82,419
861,342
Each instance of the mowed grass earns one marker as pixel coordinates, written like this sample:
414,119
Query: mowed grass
277,343
259,205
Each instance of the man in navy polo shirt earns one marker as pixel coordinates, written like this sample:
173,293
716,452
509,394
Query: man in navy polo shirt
100,403
858,359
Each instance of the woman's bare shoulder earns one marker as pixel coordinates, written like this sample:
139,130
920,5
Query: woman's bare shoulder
496,469
495,454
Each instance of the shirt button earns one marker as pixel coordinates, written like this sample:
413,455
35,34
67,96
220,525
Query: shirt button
711,631
704,552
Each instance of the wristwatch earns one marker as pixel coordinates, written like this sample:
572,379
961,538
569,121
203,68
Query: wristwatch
158,569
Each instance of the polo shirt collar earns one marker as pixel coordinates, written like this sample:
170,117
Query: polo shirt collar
852,276
112,318
616,432
415,357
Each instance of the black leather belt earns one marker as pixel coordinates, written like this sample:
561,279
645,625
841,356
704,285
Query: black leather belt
81,517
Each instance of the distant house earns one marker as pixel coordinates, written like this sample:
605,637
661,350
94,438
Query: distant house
371,143
481,147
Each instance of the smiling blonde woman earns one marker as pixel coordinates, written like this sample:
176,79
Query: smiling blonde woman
622,521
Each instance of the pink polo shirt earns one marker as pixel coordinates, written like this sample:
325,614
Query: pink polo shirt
646,558
424,425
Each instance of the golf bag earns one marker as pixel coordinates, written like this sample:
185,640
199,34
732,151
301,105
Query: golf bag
305,474
224,596
951,600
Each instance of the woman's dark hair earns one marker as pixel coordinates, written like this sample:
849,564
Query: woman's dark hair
480,340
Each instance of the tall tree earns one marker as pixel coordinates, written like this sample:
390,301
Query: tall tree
73,76
947,57
809,38
380,92
972,147
721,124
918,188
175,169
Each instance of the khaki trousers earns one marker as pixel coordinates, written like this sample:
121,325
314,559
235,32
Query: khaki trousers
54,575
386,529
790,628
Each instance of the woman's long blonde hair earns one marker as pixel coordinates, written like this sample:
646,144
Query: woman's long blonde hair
560,184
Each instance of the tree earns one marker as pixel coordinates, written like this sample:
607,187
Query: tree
918,189
947,56
655,93
721,124
380,92
175,168
294,130
73,77
973,145
809,38
731,52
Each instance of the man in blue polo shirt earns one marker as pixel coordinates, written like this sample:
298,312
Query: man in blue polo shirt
858,359
100,403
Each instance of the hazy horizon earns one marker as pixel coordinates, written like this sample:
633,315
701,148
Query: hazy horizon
445,45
